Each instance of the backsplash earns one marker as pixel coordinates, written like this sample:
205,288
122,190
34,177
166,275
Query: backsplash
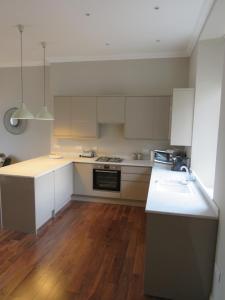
111,141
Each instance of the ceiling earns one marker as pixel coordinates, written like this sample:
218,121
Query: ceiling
215,27
115,29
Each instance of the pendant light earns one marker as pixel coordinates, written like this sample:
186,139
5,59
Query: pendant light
44,114
22,112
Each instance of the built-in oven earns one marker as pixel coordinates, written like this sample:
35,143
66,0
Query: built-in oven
106,177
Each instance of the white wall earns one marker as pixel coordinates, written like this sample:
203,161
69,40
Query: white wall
219,196
35,141
193,67
207,108
132,77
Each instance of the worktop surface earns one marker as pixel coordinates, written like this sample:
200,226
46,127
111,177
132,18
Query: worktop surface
170,193
42,165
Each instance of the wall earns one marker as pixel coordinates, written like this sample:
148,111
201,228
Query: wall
219,196
131,77
193,67
207,107
35,141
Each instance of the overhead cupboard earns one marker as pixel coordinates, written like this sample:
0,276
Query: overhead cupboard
143,117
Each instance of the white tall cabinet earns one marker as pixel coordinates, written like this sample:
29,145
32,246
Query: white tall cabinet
182,117
147,118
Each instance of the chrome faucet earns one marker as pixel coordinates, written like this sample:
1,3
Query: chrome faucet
189,177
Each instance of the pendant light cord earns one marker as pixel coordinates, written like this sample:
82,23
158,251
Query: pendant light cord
44,74
21,59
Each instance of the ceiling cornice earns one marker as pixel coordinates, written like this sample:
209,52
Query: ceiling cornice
137,56
149,55
203,17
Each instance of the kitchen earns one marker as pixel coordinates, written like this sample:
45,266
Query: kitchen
119,109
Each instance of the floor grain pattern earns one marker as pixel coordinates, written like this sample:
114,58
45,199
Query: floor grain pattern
91,251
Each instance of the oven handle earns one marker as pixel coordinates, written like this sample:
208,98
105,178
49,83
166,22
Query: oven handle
106,171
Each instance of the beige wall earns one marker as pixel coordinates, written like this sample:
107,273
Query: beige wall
207,108
219,196
131,77
35,141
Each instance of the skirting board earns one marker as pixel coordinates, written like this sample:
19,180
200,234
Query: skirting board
108,200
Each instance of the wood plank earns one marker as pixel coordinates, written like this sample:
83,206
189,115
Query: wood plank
90,251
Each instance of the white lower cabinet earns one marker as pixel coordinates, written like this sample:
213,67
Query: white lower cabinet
33,201
84,183
135,183
83,179
44,198
63,186
132,190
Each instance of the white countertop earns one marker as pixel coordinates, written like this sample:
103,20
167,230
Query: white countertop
42,165
166,197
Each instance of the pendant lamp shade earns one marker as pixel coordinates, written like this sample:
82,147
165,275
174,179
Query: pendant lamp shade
22,112
44,114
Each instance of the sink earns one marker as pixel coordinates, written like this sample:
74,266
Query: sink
173,186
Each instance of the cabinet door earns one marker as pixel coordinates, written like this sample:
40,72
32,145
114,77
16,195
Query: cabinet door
161,118
83,179
139,116
111,110
63,116
147,118
132,190
44,198
182,117
84,117
63,186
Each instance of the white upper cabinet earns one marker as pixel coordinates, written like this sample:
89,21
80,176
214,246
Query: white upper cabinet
84,117
63,116
75,117
182,117
111,110
147,118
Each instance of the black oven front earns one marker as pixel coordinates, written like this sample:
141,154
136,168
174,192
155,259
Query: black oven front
106,178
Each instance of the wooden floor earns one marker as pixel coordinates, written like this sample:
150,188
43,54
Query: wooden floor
91,251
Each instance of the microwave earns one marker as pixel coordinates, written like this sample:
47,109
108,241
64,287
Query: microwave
163,156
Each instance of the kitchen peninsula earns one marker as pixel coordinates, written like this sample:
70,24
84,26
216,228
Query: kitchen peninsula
35,190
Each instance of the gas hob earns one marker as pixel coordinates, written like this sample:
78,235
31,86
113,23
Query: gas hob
109,159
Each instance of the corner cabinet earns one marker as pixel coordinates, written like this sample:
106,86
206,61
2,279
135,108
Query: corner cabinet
182,117
75,117
147,118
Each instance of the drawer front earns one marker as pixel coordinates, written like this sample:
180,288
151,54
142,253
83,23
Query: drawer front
135,177
131,190
136,170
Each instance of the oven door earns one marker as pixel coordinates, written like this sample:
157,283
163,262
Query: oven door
106,180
